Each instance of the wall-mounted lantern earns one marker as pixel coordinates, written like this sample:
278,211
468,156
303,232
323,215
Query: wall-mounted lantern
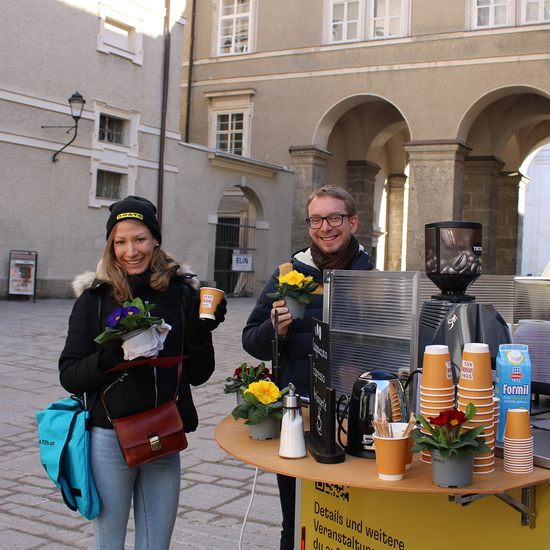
76,102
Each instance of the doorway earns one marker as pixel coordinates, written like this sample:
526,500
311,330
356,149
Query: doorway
234,255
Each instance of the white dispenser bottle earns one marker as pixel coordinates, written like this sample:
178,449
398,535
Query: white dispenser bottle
292,440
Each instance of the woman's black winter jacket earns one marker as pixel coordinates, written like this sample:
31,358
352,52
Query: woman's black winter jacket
82,370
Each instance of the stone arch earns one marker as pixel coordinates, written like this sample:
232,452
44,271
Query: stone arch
483,102
239,212
340,110
364,135
502,129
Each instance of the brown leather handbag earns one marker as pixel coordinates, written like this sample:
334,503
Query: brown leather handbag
151,434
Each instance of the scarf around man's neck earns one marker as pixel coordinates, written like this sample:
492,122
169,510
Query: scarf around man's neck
344,260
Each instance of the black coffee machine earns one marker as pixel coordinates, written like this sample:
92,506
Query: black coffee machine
453,263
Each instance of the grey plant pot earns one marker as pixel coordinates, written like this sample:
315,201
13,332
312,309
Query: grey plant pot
295,308
270,428
451,471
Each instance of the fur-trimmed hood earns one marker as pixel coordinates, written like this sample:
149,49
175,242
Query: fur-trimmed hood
95,278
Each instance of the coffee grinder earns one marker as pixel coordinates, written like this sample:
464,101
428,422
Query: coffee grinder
453,262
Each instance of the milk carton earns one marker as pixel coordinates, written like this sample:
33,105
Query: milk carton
513,381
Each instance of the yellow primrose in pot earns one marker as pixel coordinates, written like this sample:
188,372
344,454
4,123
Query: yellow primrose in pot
295,285
261,399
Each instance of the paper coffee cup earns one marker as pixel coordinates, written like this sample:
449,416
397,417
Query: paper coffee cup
210,298
390,457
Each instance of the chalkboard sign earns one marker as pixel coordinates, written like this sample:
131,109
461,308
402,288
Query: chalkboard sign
321,435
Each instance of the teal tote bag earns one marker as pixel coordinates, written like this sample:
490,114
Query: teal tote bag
64,441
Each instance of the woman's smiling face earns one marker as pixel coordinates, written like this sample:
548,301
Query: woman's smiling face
133,245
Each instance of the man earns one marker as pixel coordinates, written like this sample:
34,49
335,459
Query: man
332,222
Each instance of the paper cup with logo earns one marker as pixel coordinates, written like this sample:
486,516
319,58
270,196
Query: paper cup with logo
475,371
437,367
210,298
390,457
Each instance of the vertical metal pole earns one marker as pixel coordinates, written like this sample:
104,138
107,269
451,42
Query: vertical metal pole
528,499
275,361
164,109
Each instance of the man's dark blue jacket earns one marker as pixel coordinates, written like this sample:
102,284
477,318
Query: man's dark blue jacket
297,345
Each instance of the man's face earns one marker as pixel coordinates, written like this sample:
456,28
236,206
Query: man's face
331,240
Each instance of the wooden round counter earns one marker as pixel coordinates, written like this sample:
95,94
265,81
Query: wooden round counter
232,437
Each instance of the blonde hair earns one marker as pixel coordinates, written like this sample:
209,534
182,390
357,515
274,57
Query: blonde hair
337,193
162,267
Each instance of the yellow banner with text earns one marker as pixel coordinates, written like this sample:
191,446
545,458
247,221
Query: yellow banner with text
338,517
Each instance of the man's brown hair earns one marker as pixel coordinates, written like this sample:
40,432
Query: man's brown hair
337,193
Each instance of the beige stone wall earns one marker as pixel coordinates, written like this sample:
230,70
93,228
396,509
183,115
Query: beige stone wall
419,105
418,113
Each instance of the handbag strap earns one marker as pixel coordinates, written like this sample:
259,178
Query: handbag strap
150,362
157,362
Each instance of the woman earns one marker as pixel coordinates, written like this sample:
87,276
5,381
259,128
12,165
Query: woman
134,265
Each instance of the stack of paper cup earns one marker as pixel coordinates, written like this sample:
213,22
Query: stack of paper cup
518,442
396,404
475,385
437,389
496,401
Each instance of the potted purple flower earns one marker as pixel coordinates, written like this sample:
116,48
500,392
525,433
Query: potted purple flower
142,334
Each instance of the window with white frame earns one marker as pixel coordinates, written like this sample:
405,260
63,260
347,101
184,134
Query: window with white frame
109,185
115,154
120,34
234,27
492,13
111,182
358,20
535,11
116,129
346,21
230,115
111,129
230,133
387,18
487,14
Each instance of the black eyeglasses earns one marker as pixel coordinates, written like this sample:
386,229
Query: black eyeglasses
334,220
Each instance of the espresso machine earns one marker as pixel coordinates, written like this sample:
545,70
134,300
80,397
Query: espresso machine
453,262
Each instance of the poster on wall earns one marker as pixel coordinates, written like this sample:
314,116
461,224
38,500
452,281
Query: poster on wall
22,272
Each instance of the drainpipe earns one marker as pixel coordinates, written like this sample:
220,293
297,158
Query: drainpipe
166,78
190,70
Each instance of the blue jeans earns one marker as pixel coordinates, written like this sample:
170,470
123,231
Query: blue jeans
154,487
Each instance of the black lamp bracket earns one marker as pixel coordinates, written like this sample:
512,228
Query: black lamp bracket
76,101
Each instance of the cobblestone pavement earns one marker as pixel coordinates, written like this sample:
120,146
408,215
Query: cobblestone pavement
215,490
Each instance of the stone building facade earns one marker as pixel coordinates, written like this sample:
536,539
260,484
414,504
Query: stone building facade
424,110
125,59
228,113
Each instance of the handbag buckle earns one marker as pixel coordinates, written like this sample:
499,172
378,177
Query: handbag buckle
155,442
